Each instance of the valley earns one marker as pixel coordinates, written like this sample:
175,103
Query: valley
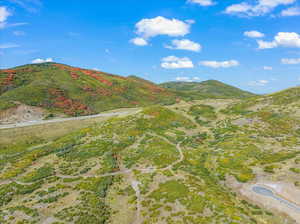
213,160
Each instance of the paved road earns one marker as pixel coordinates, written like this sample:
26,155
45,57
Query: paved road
269,193
39,122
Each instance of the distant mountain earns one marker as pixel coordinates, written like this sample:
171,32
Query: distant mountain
75,91
206,89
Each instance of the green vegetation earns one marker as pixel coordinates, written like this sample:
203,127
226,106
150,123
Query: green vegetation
38,174
75,91
156,165
207,89
203,110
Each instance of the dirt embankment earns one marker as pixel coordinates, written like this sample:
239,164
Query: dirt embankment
289,196
21,113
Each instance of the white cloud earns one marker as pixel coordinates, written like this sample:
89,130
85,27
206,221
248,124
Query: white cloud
162,26
8,45
266,45
261,7
7,25
259,83
282,39
185,44
39,60
187,79
4,14
293,11
253,34
190,21
290,61
202,2
139,41
268,68
220,64
173,62
238,8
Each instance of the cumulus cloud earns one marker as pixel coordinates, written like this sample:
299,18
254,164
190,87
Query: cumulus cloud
8,45
202,2
282,39
39,60
172,62
185,44
261,7
4,14
187,79
259,83
139,41
290,61
162,26
220,64
268,68
253,34
293,11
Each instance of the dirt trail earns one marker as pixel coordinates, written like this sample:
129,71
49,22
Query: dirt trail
135,185
133,182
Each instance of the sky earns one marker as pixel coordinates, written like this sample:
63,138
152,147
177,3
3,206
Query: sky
251,44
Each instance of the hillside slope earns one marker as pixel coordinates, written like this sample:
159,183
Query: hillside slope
206,89
185,163
287,101
75,91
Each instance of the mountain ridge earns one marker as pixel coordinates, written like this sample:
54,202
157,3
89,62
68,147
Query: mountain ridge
206,89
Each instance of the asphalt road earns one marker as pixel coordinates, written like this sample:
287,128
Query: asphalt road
269,193
39,122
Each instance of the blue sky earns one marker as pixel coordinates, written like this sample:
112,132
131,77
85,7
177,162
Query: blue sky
252,44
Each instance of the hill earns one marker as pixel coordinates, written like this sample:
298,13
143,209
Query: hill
206,89
74,91
287,100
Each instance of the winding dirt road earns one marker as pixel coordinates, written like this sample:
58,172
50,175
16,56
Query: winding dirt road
133,182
